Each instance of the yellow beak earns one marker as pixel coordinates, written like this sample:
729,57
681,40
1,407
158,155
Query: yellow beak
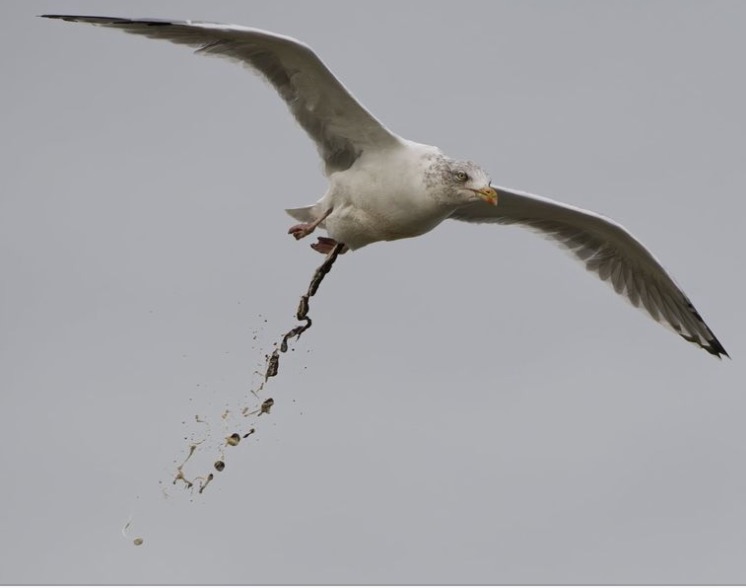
488,194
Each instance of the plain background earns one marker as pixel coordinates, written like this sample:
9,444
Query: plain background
469,406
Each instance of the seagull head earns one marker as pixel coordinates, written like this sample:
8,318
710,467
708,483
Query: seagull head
470,182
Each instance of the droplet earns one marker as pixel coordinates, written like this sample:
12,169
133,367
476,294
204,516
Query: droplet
266,406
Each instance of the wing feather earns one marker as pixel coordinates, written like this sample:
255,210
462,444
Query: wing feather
606,249
341,127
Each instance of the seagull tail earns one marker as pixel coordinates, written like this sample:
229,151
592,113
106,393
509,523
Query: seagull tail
304,214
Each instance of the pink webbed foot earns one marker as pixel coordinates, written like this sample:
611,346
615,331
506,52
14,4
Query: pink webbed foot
325,245
305,229
302,230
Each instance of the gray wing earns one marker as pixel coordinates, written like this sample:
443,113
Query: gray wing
606,249
339,125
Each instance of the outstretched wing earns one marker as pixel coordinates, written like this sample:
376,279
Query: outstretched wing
606,249
340,126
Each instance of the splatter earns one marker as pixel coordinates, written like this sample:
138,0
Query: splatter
203,485
138,540
271,370
273,365
266,406
180,468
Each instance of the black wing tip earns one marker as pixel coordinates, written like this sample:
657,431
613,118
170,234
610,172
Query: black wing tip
77,17
715,348
712,346
110,20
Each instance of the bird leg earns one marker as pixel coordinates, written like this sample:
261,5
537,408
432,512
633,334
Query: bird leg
325,245
304,229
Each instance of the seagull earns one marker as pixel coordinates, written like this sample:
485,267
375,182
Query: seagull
383,187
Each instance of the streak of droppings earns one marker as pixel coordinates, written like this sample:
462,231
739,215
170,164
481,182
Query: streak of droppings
271,370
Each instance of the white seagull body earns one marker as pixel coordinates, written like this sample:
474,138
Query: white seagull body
383,187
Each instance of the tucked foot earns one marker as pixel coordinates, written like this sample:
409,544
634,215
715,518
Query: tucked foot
302,230
325,245
305,229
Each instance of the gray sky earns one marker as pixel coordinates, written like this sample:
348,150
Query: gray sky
470,406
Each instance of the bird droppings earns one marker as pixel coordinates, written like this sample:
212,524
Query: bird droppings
293,333
273,365
203,484
302,312
271,370
273,361
266,406
321,272
126,527
180,476
180,468
137,540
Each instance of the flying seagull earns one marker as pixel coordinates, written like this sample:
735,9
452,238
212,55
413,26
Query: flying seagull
383,187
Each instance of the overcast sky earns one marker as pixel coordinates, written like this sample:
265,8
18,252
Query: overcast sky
470,406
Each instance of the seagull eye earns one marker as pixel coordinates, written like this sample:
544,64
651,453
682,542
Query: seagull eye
461,176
